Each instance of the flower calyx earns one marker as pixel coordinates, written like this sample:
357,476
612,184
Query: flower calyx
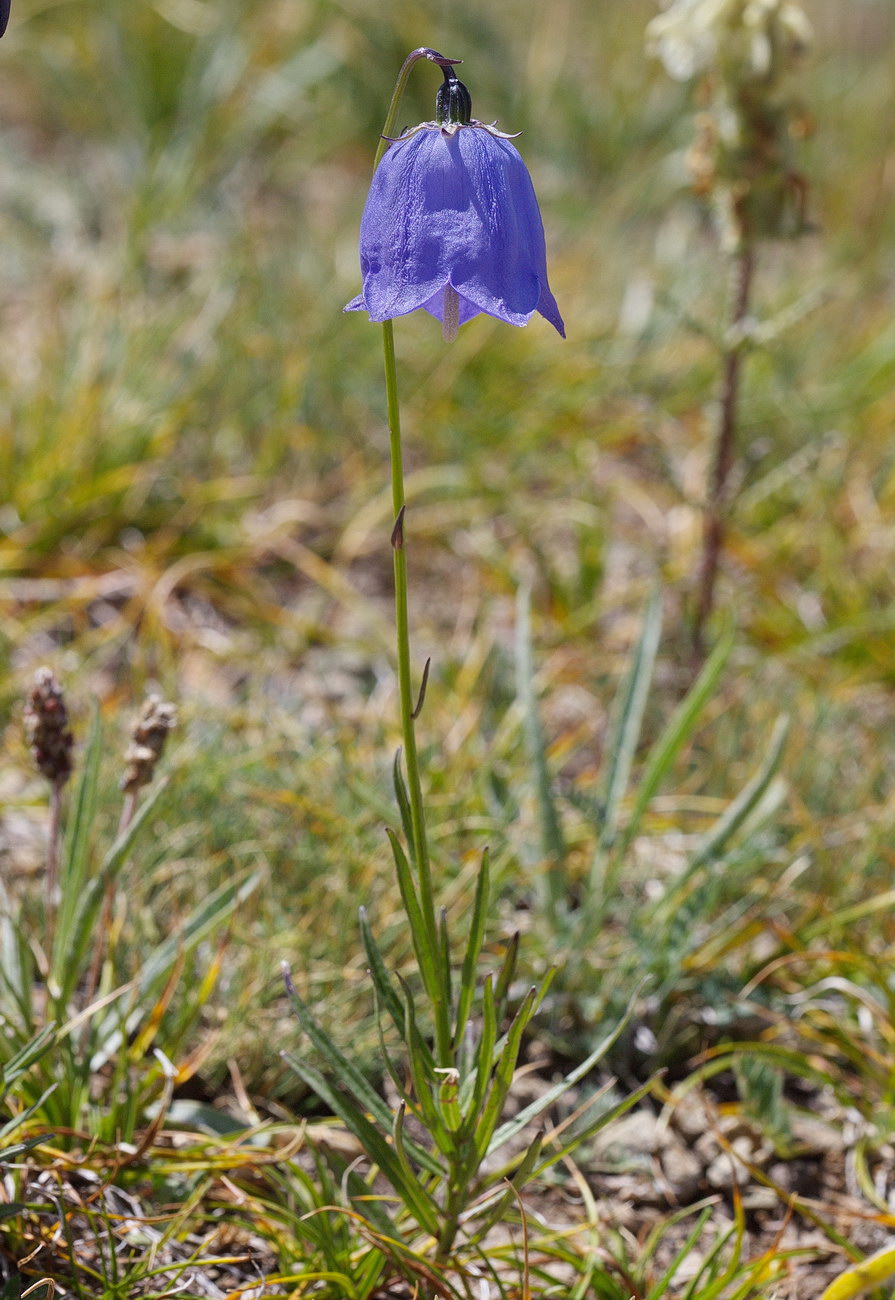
453,103
453,110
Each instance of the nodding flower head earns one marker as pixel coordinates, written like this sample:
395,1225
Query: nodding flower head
452,225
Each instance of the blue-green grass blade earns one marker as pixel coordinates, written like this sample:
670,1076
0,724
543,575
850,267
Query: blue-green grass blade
621,747
425,1208
403,798
385,989
198,925
476,1085
553,845
677,732
469,971
81,820
517,1180
344,1070
503,1076
418,931
531,1112
423,1078
353,1116
735,814
26,1056
74,941
507,970
660,1288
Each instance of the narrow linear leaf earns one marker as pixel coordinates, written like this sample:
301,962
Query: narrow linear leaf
536,1108
736,813
73,943
660,1288
344,1070
403,799
202,921
677,732
426,959
469,972
422,1076
81,819
507,970
382,981
630,706
484,1058
552,841
503,1076
353,1117
520,1177
423,1205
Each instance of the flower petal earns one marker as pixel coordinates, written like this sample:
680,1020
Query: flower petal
454,208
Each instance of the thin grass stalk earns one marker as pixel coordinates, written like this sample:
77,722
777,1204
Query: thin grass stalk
718,502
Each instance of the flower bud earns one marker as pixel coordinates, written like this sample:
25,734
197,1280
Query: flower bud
47,729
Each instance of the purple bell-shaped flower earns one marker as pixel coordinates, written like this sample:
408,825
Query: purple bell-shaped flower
452,225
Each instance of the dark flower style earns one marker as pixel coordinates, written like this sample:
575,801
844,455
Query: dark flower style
452,225
4,15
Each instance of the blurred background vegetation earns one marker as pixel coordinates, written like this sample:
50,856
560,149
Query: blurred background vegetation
193,456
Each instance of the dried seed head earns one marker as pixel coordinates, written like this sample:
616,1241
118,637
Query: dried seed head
148,737
47,729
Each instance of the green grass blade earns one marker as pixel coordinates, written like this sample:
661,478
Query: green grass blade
516,1181
336,1060
659,1290
503,1076
418,932
25,1057
677,732
507,970
200,923
382,981
531,1112
469,972
82,816
476,1085
423,1078
735,814
403,799
75,939
630,707
423,1205
345,1106
553,844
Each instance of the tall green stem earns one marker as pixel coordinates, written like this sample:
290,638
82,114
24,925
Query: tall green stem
420,846
439,992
